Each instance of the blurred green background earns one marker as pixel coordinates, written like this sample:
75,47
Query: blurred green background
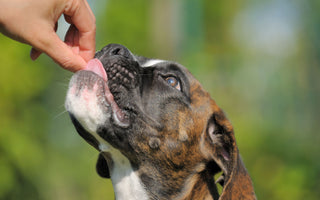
260,60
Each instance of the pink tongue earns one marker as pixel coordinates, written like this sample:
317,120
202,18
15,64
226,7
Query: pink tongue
96,66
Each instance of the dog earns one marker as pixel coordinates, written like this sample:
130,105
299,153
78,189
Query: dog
159,133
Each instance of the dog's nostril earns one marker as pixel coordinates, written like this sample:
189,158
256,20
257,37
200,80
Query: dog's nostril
117,51
114,50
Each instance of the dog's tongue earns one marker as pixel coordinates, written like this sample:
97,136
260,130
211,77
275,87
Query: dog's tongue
96,66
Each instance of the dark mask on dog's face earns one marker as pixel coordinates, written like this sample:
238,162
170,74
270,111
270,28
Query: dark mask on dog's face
155,115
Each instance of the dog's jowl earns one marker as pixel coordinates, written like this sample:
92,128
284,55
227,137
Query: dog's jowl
159,134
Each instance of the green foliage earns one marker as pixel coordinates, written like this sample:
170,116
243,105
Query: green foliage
134,15
270,93
21,147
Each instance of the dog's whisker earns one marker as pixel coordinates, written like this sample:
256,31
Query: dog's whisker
61,106
59,115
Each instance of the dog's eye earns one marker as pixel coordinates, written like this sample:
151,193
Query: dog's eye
173,82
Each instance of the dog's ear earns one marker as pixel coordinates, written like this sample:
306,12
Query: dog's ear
102,167
219,145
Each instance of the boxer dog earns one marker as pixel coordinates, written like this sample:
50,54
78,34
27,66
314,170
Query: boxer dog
159,134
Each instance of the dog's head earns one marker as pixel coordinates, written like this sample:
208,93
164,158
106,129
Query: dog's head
154,116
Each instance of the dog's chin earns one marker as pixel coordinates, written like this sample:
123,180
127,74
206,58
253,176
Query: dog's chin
92,105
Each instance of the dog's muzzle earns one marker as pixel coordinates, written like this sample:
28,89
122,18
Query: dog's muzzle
94,92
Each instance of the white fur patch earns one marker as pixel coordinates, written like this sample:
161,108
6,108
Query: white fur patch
150,63
126,183
85,107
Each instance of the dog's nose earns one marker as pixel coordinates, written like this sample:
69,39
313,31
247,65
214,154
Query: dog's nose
117,50
114,50
120,65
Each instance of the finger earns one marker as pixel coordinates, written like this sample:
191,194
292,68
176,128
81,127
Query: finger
88,8
83,18
72,39
61,53
34,54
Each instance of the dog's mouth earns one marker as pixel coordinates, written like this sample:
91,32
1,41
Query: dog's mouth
102,99
120,116
91,101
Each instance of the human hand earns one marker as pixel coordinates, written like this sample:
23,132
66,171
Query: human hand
34,22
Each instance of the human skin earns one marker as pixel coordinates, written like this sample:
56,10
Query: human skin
34,22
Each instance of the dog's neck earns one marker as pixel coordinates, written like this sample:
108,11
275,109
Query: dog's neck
128,185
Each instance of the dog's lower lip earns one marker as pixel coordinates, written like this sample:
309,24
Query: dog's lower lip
118,114
121,118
